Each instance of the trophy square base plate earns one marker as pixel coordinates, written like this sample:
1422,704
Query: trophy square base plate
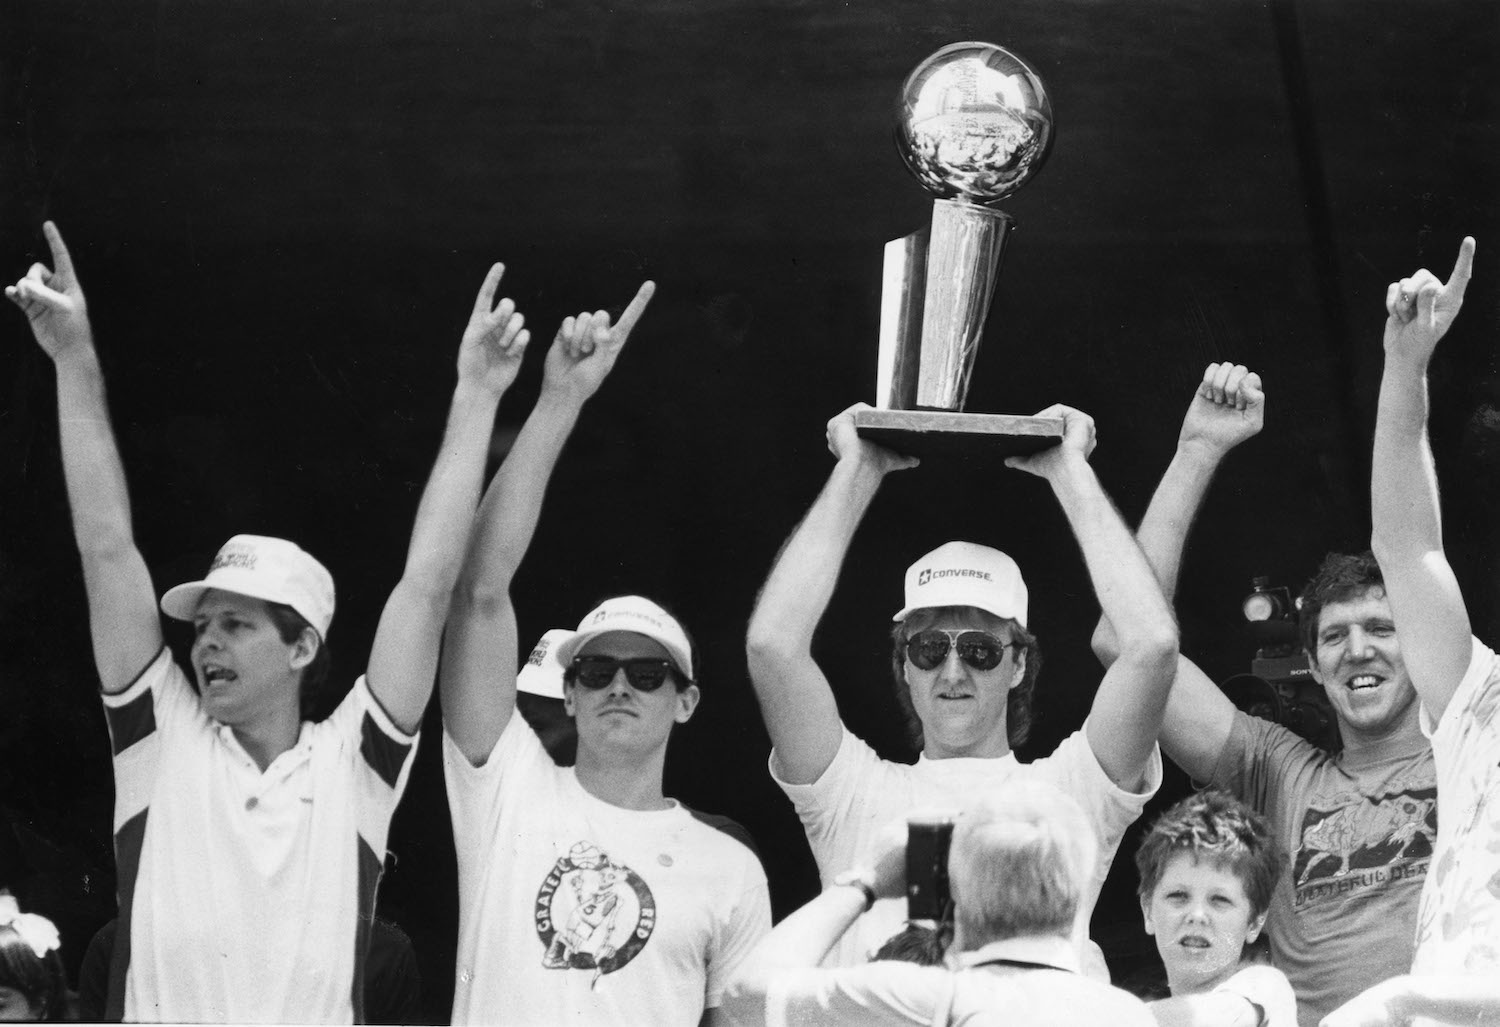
935,432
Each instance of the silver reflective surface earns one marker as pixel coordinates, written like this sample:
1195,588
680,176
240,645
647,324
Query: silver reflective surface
973,121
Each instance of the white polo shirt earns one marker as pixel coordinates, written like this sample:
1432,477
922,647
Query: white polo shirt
245,896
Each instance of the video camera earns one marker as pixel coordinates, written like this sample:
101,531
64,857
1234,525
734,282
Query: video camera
1280,687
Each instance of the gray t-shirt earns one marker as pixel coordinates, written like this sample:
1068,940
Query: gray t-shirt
1357,835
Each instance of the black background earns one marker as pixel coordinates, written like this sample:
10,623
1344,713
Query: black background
280,213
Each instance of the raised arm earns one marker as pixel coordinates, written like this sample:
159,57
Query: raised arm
1439,999
1227,408
478,678
403,660
123,618
1432,623
795,698
1127,712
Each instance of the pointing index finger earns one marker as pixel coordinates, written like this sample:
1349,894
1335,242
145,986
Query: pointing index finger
1463,267
62,261
636,308
486,297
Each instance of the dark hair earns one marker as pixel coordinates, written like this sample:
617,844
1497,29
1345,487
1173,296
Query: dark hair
40,978
915,943
1215,827
677,678
289,625
1341,577
1017,701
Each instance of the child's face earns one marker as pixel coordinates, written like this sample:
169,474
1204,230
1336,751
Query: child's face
1202,921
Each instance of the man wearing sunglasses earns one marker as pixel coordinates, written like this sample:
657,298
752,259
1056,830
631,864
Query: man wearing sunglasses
586,895
964,665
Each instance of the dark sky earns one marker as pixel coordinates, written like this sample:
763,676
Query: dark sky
280,212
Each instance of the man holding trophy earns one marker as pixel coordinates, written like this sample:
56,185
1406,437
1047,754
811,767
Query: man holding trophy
964,659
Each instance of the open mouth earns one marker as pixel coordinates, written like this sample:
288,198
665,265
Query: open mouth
1193,941
953,696
1363,682
213,674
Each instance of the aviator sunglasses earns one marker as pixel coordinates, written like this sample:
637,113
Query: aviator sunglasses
979,649
645,673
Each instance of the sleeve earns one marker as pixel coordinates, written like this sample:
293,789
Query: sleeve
158,705
382,753
748,921
874,993
833,808
1267,989
1478,693
474,793
1258,758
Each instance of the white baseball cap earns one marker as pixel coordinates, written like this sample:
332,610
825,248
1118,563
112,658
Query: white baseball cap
639,616
266,568
966,574
542,673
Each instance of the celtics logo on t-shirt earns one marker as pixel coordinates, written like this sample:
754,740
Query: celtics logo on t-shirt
593,913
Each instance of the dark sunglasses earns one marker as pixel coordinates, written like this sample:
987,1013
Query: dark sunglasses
645,673
979,649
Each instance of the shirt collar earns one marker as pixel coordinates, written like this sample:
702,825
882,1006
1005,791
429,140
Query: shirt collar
1048,950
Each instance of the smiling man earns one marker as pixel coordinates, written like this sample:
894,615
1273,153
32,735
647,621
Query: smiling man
250,840
1356,826
586,895
965,665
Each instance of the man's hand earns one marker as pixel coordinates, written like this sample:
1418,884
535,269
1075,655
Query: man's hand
53,300
1420,309
888,859
845,444
1077,443
586,347
1228,408
494,342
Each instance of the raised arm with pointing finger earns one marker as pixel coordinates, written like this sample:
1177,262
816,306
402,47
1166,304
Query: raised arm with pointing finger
1456,967
480,648
241,828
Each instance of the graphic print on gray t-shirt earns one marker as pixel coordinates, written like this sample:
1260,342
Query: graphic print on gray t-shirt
1351,842
593,913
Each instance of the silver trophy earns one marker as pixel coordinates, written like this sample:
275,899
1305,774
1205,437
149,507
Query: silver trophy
973,124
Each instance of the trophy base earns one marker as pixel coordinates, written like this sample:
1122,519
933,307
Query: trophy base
936,432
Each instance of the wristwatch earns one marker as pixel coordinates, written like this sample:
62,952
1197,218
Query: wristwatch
857,879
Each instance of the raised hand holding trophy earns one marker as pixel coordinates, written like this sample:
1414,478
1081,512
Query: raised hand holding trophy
974,123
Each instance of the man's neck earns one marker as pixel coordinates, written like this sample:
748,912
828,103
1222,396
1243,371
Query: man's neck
991,748
264,740
1396,739
623,780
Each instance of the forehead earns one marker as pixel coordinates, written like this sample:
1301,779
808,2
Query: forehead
623,645
957,618
1188,868
1373,604
216,600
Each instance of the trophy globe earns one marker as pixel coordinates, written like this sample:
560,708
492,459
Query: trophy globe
973,122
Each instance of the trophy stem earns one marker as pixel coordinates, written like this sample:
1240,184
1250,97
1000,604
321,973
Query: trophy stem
965,246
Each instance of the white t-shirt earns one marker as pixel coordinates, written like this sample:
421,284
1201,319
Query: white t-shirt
574,911
1266,988
246,895
1458,921
860,793
1049,993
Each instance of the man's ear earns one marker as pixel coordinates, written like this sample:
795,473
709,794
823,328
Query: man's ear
687,702
304,649
568,689
1020,674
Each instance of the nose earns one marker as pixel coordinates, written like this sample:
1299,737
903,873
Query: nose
952,667
1197,911
1360,642
619,684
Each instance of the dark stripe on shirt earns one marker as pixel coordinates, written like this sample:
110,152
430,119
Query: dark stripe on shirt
370,866
383,753
128,842
732,828
130,723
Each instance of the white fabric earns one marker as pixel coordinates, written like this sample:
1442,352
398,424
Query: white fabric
1458,923
246,901
860,793
1002,996
573,911
1266,988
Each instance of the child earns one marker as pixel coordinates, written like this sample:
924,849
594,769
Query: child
32,983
